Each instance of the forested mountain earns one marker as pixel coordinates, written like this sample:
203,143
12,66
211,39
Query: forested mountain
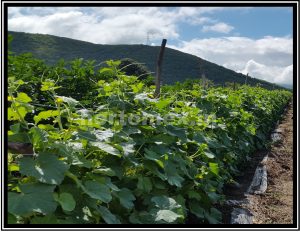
177,66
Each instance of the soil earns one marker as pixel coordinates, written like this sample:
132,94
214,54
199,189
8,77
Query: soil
275,206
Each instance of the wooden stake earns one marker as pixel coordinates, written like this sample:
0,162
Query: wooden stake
158,68
246,79
20,148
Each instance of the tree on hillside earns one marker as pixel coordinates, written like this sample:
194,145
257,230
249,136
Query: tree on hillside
134,68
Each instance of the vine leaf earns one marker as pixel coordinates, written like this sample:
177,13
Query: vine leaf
35,197
23,97
126,198
97,191
66,201
107,148
166,215
167,209
144,184
47,168
45,115
164,202
107,216
48,219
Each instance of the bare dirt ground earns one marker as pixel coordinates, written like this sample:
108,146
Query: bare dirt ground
276,205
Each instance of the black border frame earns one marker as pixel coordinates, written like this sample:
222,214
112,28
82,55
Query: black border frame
171,227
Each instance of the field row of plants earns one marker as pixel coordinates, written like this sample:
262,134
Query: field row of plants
107,151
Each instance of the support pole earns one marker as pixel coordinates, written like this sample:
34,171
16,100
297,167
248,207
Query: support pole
20,148
246,79
158,68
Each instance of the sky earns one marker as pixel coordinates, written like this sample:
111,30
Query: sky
253,40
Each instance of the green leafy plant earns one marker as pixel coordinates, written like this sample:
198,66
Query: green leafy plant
89,167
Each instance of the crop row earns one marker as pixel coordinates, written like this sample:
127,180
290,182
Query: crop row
107,151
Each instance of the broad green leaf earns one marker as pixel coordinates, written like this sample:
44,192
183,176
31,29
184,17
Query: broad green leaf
144,184
113,63
196,209
176,131
13,167
47,168
12,114
110,184
154,169
66,201
164,202
107,216
105,171
21,137
107,88
161,104
48,219
85,135
48,85
142,97
45,115
214,197
213,143
142,217
98,191
11,219
127,130
126,198
47,127
39,137
103,135
195,195
128,148
225,139
15,128
166,216
72,151
80,161
154,156
214,167
137,87
103,70
21,82
33,198
209,154
173,177
70,101
161,149
23,97
159,184
107,148
164,138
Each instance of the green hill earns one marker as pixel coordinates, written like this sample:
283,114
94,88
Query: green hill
177,66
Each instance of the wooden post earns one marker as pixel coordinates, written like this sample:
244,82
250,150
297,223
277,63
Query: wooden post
158,68
20,148
246,79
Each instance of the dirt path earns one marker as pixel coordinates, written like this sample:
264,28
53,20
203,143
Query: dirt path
276,205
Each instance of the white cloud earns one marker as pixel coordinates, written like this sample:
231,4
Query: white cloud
104,25
113,25
218,27
274,74
268,58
